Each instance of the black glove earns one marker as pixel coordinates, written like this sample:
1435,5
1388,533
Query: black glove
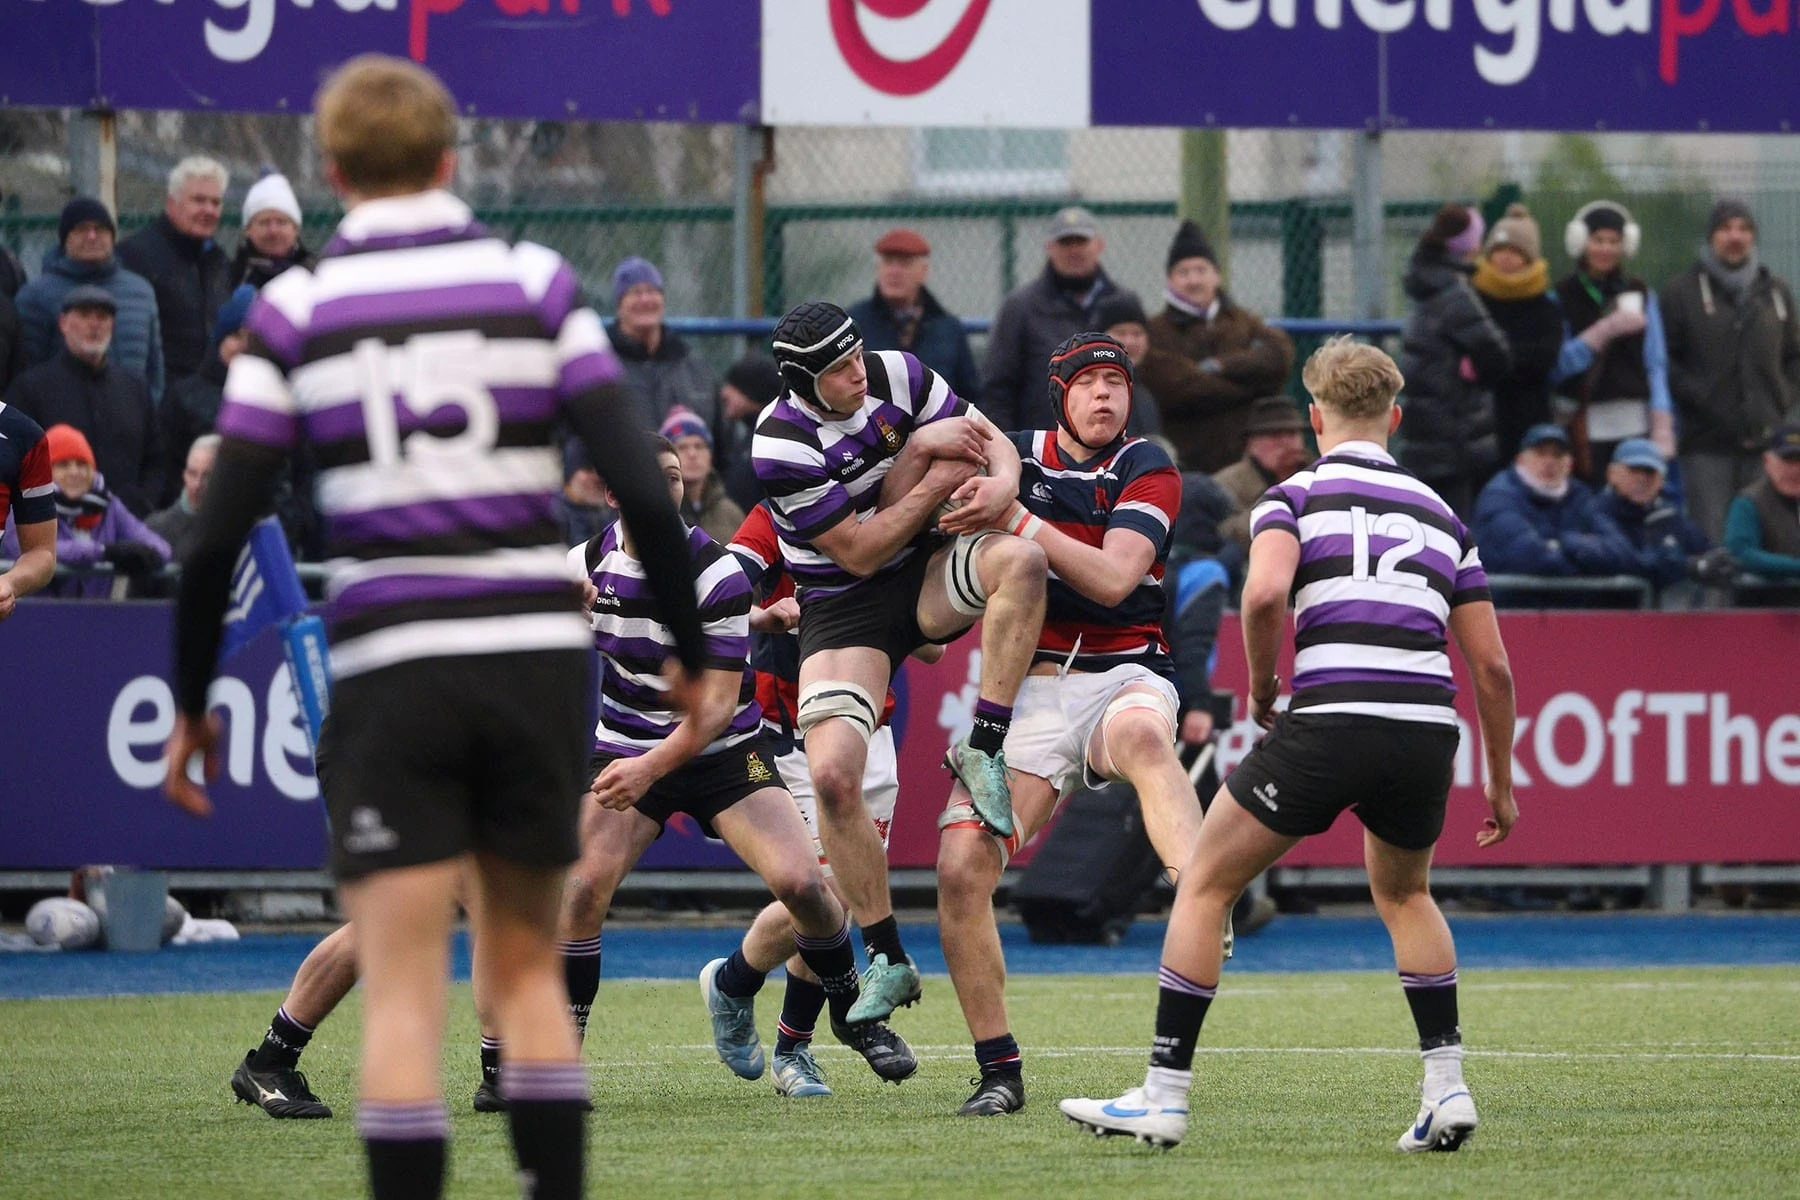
1715,568
133,558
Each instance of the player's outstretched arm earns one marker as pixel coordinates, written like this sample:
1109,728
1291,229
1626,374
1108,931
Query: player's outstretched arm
987,499
1274,557
1477,634
34,566
625,780
861,547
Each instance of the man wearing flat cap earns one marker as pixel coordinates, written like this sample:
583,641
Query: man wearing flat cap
904,315
1274,448
1734,362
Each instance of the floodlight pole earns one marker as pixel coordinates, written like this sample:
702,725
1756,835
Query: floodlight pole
1368,241
94,156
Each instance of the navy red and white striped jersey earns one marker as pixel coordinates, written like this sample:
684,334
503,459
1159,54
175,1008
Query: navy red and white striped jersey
25,487
1132,487
1383,560
818,472
425,361
634,644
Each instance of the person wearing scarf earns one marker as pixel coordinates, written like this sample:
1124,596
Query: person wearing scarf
1613,370
271,242
1513,281
1209,359
91,526
1734,363
1535,519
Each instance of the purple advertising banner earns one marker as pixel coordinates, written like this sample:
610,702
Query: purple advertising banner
88,706
1650,65
664,60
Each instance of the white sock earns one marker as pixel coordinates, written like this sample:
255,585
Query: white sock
1167,1087
1443,1070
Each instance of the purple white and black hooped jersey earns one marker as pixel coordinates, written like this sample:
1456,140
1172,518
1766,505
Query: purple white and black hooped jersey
817,472
634,644
1383,560
425,361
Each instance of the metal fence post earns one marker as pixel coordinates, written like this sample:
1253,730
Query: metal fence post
744,146
1206,190
1368,239
94,156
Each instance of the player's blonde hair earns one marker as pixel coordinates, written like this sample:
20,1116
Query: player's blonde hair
386,123
1352,379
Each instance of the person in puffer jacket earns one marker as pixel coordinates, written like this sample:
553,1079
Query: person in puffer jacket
1452,355
1535,519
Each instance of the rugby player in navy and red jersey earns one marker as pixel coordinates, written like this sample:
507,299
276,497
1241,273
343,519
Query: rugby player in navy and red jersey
1099,703
856,458
427,364
28,503
1380,569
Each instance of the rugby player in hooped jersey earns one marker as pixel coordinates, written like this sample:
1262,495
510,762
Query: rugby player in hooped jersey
1098,704
428,363
856,458
1380,568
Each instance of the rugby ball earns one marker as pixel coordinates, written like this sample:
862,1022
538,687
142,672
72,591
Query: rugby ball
174,917
60,921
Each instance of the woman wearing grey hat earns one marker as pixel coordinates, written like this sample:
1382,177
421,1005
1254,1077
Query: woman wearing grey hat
1513,281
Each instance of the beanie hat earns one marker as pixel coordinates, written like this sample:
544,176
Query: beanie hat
1120,308
683,421
233,311
1518,230
1603,215
65,442
1467,242
82,208
1080,354
1726,208
272,191
632,272
1450,221
757,376
1190,242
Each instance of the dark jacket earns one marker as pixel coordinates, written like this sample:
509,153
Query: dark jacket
1449,430
938,340
192,278
112,407
137,329
1197,582
1204,411
716,513
1244,481
1733,372
1663,539
673,375
1523,533
255,268
190,409
1762,531
1033,320
12,274
1533,326
12,344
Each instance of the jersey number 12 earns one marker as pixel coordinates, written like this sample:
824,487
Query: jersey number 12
1364,526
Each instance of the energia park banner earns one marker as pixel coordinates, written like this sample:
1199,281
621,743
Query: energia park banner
1643,738
1650,65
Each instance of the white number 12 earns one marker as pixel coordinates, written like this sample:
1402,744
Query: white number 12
1387,567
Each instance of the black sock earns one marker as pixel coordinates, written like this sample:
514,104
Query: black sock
407,1145
883,937
1432,999
999,1056
737,978
281,1044
581,971
800,1009
991,723
834,962
547,1104
1181,1006
490,1061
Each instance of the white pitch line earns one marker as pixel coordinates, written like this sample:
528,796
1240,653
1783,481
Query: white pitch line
938,1052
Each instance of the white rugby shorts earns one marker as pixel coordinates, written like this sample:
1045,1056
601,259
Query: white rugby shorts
881,787
1055,716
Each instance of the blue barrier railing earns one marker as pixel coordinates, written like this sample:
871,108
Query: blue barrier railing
763,326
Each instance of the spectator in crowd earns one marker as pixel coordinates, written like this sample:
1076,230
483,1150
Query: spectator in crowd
12,272
1452,355
91,525
1197,579
12,344
582,509
1274,448
1513,281
659,365
176,524
271,232
751,384
1209,358
180,257
1039,316
1613,370
1536,519
193,404
1120,316
82,387
1666,542
704,503
1762,528
27,507
84,257
1734,362
904,315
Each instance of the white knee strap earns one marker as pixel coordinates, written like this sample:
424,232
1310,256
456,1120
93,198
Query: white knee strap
826,699
962,582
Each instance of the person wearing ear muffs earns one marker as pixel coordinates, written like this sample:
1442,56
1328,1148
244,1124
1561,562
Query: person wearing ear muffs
1612,375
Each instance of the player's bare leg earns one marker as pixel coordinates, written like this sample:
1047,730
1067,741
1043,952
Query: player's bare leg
269,1076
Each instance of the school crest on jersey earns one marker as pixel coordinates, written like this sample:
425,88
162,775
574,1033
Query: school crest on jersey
890,437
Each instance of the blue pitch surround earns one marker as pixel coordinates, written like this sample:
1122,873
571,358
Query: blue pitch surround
267,961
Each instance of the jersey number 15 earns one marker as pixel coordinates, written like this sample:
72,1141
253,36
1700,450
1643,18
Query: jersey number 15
431,371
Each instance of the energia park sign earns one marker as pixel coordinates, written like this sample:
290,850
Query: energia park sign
1652,65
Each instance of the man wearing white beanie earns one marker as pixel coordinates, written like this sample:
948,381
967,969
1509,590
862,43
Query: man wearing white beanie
271,232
